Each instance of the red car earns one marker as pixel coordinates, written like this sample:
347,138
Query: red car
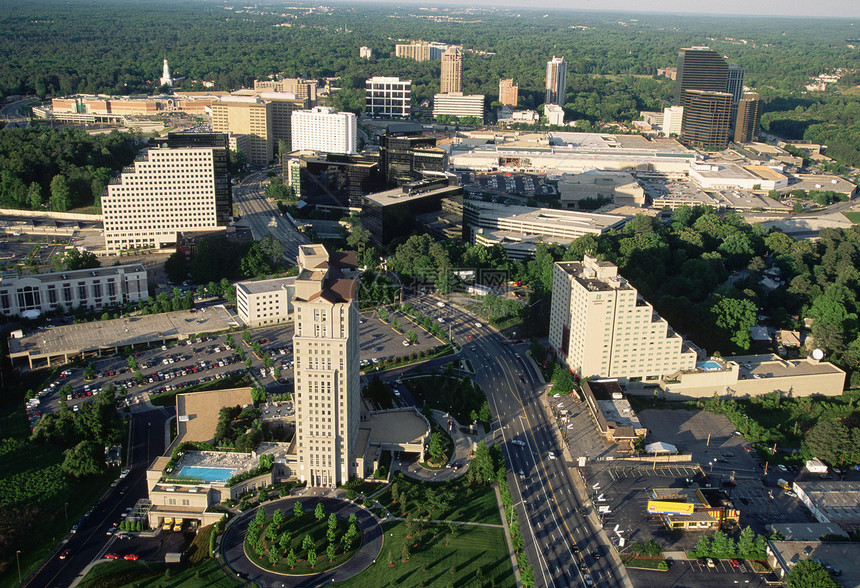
735,563
471,338
66,554
111,556
131,556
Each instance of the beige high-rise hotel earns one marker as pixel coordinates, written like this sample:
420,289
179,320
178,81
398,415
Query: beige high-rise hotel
600,326
325,346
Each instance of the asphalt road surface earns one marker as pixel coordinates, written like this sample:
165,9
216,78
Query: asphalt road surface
90,543
557,537
262,215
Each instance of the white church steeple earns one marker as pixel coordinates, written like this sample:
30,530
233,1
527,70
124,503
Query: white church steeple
165,75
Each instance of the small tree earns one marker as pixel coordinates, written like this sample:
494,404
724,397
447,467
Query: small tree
278,518
297,509
260,517
330,551
353,520
246,336
284,541
312,558
436,448
332,521
319,512
292,558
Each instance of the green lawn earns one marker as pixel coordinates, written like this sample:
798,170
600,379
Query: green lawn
854,217
451,501
148,574
645,563
478,557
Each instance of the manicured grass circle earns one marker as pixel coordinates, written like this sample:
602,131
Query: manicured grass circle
298,527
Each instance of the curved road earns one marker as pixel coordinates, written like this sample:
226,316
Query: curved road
233,552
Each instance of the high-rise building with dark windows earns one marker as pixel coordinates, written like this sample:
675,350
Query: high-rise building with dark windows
700,68
706,119
748,119
556,80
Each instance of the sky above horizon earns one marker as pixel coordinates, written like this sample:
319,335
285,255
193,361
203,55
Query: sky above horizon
822,8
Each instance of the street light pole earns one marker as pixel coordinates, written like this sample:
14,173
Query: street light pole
18,559
66,510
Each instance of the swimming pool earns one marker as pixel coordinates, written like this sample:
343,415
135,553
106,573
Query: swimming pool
709,366
208,474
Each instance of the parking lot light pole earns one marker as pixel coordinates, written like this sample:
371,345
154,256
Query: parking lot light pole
18,559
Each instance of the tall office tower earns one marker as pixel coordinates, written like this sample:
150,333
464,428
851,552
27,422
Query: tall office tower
748,119
556,80
168,190
221,158
509,94
735,87
325,345
735,81
599,326
388,97
706,119
452,71
365,52
323,129
282,105
250,116
700,68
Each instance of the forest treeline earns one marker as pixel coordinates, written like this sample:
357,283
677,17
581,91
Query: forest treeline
42,168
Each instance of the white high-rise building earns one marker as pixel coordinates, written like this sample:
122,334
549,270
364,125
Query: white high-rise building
556,80
672,117
388,97
323,129
170,190
600,326
325,346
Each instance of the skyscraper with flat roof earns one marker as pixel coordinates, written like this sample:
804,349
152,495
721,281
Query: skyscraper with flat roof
452,71
700,68
706,119
748,119
556,80
325,344
509,94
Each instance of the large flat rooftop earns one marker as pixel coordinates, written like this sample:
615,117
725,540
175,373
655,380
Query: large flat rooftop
136,330
263,286
197,412
398,196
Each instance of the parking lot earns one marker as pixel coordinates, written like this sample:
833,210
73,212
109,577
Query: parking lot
690,573
180,364
507,183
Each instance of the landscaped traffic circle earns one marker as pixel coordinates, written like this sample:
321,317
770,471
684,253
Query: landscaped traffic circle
297,541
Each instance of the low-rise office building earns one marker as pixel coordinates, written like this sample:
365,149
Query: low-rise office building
459,105
836,558
744,376
549,223
96,288
731,176
265,302
615,418
391,214
388,97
